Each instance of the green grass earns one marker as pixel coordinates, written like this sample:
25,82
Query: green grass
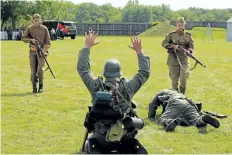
163,28
52,122
217,33
159,30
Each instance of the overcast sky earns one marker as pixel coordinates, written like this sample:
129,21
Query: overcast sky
174,4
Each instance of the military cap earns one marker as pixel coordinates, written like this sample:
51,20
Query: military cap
36,16
181,20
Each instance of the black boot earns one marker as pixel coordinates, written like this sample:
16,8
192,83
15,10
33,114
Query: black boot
34,88
40,88
210,120
182,90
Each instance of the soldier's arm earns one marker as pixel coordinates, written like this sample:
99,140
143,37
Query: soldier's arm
191,43
83,68
47,42
142,76
155,103
166,41
25,37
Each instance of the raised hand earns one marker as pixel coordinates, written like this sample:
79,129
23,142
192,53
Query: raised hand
136,45
90,39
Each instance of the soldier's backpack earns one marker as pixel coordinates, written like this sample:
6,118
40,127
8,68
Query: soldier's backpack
105,104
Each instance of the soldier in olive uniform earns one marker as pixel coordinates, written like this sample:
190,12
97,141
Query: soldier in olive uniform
178,70
112,75
38,32
178,110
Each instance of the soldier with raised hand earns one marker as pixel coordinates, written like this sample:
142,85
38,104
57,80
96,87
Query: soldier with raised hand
37,32
177,60
112,78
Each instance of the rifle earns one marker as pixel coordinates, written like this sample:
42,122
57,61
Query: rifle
40,51
215,114
189,54
83,144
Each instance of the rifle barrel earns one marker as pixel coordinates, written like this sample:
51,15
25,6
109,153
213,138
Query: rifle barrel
41,51
191,56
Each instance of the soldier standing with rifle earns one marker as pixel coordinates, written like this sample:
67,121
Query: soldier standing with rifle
177,59
37,33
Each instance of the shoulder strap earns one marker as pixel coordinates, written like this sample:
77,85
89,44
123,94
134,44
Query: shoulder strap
198,108
101,83
123,99
188,33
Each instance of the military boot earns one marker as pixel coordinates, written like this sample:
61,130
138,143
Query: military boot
40,88
34,88
210,120
172,126
182,90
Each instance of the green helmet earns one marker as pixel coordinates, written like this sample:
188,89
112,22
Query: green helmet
112,68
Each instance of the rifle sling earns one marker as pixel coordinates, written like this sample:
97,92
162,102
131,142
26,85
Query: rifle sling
124,99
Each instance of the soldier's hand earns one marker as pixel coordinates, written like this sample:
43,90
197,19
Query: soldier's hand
90,39
190,50
45,53
185,54
136,45
175,47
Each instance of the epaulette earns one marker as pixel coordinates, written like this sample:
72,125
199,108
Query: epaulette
172,32
45,27
188,33
29,26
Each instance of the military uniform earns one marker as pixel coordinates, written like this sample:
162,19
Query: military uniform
176,72
177,110
41,34
127,88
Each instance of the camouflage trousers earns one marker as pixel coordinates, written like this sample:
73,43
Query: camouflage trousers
179,108
177,73
36,70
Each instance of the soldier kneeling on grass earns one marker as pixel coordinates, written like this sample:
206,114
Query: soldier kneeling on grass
111,119
178,110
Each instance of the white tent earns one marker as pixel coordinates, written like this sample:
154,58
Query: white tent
229,30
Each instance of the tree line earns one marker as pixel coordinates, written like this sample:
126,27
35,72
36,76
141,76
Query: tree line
18,13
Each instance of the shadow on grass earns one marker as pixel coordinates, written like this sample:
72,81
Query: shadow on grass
16,94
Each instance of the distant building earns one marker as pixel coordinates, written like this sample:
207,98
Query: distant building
229,30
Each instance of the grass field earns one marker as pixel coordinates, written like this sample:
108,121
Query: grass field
52,122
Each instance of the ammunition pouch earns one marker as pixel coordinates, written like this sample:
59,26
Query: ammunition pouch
89,122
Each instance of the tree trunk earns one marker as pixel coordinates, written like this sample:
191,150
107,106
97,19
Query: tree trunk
3,21
13,22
